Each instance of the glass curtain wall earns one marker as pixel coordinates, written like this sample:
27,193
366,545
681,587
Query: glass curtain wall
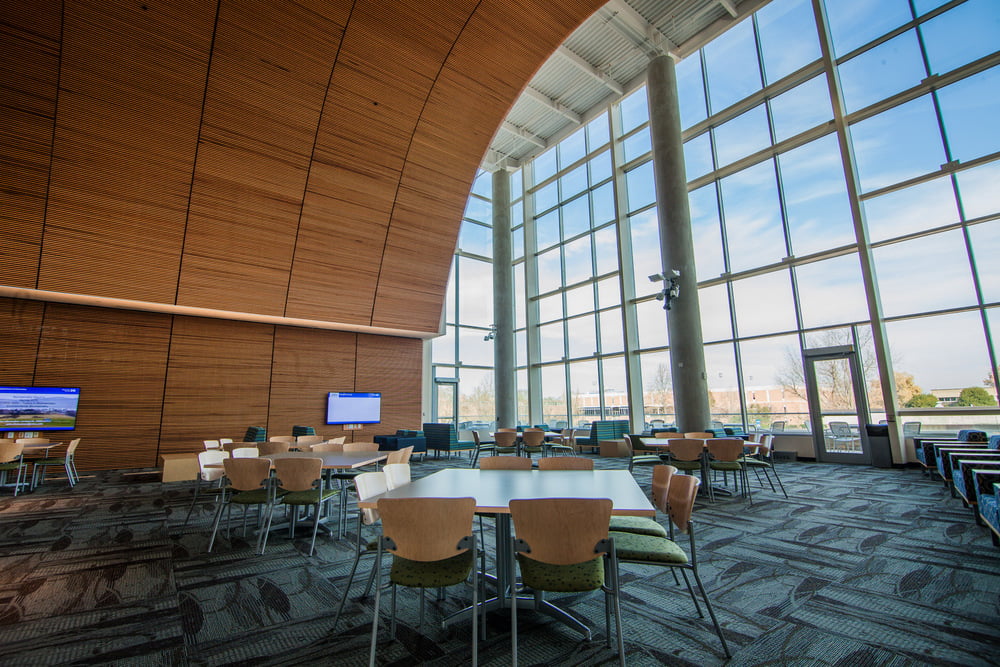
803,172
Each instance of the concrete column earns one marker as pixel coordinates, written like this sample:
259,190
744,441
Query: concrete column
503,304
687,355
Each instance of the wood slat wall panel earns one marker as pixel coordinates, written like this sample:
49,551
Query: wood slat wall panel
270,67
392,366
29,60
308,363
385,70
118,359
20,328
132,83
484,73
217,381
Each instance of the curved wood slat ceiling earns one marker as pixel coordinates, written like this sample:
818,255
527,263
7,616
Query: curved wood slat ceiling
306,159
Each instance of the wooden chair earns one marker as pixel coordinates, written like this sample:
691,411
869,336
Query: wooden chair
563,545
505,442
699,435
206,474
271,447
360,447
644,525
726,455
11,460
399,456
565,463
639,455
288,439
300,484
687,454
249,484
245,452
213,444
304,442
367,485
480,448
339,440
760,456
67,461
504,463
433,545
533,441
328,447
678,502
396,474
565,443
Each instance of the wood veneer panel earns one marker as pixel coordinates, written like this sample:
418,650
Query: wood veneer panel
20,330
132,83
217,381
393,366
481,79
308,363
118,359
386,68
271,63
29,60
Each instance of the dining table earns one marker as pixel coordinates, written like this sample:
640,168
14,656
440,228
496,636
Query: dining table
494,489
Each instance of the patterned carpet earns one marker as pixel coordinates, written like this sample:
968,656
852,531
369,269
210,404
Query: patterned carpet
859,566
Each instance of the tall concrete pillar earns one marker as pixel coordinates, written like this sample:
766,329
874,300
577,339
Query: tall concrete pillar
687,355
503,303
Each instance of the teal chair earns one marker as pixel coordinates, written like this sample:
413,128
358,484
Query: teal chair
444,438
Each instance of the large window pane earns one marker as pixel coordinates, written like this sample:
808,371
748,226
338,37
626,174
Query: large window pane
691,91
476,396
606,250
925,274
572,148
646,258
476,239
943,352
443,347
580,300
657,388
519,297
881,72
576,216
543,166
924,206
615,385
582,337
472,349
980,194
585,390
742,136
551,345
772,379
857,22
831,292
898,144
970,109
549,271
764,304
698,156
550,308
640,187
479,209
637,145
752,212
609,292
547,196
816,201
788,38
475,291
598,133
731,66
961,35
707,232
573,182
716,324
600,167
634,110
547,230
652,323
553,393
723,387
801,108
603,203
612,334
579,264
986,249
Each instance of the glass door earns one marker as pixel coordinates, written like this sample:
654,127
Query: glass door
445,403
837,405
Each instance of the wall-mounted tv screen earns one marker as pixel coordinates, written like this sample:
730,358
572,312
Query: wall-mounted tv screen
353,407
38,408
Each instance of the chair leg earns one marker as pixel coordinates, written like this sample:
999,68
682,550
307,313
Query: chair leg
350,577
197,489
778,477
513,608
616,595
215,523
69,474
378,602
711,612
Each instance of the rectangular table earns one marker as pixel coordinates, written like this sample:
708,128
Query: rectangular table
493,491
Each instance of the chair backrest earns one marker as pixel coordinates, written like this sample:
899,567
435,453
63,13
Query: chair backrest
9,451
533,437
247,474
328,447
396,474
298,474
505,463
401,455
725,449
427,529
282,438
568,436
71,447
245,452
255,434
564,463
680,499
360,447
505,438
272,447
222,441
840,428
210,456
911,428
303,430
777,426
339,440
686,449
561,531
308,440
530,429
661,483
703,435
213,444
506,430
33,441
370,484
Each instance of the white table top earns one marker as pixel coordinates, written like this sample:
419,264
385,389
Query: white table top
494,489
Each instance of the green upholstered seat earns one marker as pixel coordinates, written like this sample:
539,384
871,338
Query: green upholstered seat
646,548
576,578
638,524
306,497
432,574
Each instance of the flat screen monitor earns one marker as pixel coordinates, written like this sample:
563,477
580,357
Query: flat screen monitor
353,407
38,408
